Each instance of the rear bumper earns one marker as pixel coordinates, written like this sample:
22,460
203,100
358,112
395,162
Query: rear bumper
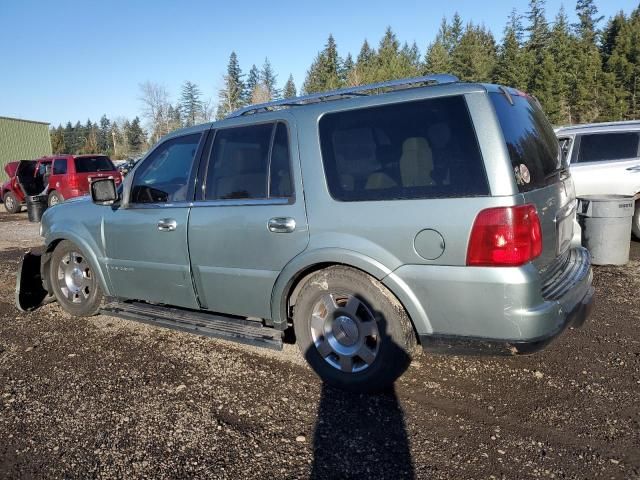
460,345
495,310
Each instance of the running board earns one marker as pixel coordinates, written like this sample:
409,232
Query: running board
233,329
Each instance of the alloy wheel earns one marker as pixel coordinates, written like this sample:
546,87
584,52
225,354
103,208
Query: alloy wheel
345,332
75,278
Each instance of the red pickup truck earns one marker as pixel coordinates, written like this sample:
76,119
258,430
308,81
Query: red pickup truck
60,177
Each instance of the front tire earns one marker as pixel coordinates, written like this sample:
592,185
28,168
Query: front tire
73,281
11,203
55,198
352,330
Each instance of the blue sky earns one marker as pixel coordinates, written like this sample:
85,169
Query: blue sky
69,60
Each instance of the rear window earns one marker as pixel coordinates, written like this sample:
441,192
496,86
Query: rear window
422,149
93,164
608,146
531,142
60,166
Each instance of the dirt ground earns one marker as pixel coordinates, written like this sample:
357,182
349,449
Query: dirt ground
109,398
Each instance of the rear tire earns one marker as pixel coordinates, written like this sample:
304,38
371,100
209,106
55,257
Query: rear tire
635,226
352,330
55,198
11,203
73,281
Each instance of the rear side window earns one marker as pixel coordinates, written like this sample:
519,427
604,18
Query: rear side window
608,146
531,142
422,149
251,162
93,164
60,166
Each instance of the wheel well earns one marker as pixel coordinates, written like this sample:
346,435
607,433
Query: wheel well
46,264
295,285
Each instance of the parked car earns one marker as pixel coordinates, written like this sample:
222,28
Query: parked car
604,159
435,213
60,177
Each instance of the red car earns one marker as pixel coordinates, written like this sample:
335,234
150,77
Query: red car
60,177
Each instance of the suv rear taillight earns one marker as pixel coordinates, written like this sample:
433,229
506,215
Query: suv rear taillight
505,236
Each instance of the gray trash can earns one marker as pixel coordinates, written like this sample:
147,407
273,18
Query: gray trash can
606,227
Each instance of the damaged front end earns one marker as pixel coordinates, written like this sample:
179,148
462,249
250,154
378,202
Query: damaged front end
32,289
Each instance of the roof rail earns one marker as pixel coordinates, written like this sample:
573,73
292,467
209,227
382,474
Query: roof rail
347,92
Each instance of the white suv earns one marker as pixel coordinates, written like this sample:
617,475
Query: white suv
604,159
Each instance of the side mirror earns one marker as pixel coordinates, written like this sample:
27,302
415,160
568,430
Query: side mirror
103,191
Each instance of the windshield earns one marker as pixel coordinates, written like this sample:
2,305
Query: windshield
93,164
532,144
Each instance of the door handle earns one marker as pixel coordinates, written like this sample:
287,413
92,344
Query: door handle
167,224
282,225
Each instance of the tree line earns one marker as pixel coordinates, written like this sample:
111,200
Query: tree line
582,72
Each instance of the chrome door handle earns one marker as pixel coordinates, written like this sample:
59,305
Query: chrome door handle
167,224
282,225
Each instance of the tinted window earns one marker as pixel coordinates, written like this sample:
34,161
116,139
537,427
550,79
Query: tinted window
424,149
93,164
608,146
60,166
530,140
164,175
280,178
239,162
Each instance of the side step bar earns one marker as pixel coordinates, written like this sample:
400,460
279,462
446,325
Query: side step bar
238,330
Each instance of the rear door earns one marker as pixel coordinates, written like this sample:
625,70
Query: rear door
57,179
249,220
540,174
146,242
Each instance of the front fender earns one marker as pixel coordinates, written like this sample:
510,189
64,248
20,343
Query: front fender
332,255
88,247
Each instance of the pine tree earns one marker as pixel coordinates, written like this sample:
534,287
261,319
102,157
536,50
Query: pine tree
289,88
57,139
474,58
511,66
347,67
252,81
135,137
326,70
561,47
231,97
437,59
389,63
269,79
363,70
538,27
587,13
103,135
190,104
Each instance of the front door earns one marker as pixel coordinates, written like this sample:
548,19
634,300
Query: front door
250,221
146,241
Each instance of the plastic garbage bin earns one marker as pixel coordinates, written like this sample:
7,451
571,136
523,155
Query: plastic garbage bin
606,227
36,205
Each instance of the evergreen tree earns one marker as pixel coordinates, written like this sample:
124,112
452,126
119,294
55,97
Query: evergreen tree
57,139
511,66
289,88
269,79
437,59
347,67
474,58
390,65
538,28
326,70
363,71
104,142
252,81
561,48
587,13
231,97
135,137
190,104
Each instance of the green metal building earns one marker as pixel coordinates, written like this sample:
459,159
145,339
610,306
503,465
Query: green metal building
22,140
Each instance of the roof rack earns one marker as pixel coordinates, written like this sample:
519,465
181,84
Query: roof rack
347,92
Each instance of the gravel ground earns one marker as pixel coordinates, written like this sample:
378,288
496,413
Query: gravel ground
110,398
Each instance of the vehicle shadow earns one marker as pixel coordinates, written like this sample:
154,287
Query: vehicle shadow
361,435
